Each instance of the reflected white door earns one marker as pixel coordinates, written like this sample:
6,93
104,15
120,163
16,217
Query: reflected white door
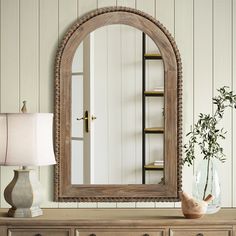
88,162
82,120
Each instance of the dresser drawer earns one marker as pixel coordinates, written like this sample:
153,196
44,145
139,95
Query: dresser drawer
118,233
38,232
200,232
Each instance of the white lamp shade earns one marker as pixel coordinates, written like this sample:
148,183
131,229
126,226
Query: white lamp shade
26,139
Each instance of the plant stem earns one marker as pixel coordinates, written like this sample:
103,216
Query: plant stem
206,184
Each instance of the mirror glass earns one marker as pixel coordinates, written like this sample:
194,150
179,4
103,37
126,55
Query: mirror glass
113,117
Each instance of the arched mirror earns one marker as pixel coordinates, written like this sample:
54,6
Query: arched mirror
117,110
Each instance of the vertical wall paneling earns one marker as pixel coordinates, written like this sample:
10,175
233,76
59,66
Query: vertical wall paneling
203,60
204,32
9,56
9,71
165,13
128,98
48,42
184,40
234,88
148,7
125,3
86,6
128,58
0,88
87,204
106,3
138,102
67,15
222,70
100,103
129,78
68,12
114,103
29,54
202,57
125,204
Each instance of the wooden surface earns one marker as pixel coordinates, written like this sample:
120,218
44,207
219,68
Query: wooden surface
119,233
129,218
39,232
201,232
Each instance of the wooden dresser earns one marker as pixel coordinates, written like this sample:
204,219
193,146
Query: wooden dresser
119,222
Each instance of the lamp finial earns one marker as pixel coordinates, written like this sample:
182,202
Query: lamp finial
24,109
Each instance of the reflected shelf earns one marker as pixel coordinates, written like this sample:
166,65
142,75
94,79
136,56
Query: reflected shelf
77,138
77,73
154,130
154,93
155,56
154,167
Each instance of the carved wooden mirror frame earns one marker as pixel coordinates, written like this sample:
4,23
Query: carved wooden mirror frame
64,190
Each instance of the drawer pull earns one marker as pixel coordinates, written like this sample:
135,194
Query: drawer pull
38,234
200,234
92,235
146,235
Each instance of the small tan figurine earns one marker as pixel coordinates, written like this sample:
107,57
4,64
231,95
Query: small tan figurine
192,208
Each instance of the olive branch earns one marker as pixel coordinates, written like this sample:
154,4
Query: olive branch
206,134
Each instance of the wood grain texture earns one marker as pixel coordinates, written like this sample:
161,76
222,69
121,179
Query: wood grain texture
118,232
3,230
200,232
122,219
64,191
39,231
68,12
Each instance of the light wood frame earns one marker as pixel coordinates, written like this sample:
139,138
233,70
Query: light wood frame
64,190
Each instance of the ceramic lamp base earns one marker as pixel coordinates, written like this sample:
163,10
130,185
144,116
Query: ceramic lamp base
24,194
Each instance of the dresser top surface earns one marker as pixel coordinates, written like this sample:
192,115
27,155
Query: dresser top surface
116,217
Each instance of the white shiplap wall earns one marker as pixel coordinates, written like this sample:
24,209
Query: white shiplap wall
205,34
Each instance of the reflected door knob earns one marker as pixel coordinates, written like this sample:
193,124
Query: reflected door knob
86,120
93,117
82,118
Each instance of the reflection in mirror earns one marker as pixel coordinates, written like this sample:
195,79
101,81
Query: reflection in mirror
110,108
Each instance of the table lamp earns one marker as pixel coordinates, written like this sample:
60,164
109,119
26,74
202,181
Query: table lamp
25,140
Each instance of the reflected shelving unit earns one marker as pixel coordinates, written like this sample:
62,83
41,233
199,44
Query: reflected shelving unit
148,130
